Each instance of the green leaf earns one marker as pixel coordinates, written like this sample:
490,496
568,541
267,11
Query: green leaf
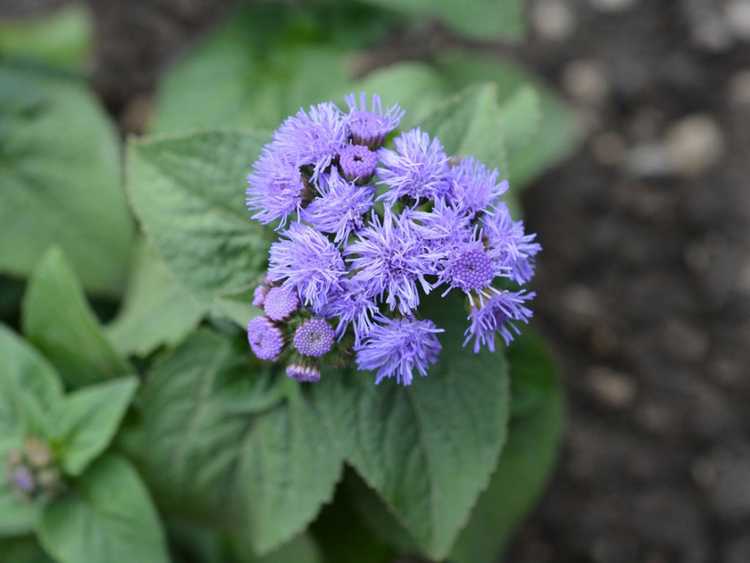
556,135
60,39
187,191
22,550
469,124
27,381
107,518
58,320
520,116
261,67
484,19
266,473
157,310
429,449
526,462
88,420
301,549
60,164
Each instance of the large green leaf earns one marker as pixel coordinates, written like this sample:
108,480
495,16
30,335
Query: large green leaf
265,468
188,194
26,381
556,134
60,39
485,19
429,449
528,458
265,64
468,124
88,420
157,310
60,165
23,550
58,320
108,517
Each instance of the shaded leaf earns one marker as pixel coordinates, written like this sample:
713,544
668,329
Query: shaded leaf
88,420
58,320
157,310
60,164
107,518
429,449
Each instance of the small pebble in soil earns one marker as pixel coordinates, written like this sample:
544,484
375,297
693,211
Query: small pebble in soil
694,144
739,88
586,81
553,19
613,388
612,5
737,15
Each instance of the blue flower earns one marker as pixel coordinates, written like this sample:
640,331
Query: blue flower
475,187
417,170
303,373
443,228
340,208
498,314
314,338
357,162
509,244
280,303
353,306
275,188
397,347
265,338
306,261
391,260
370,126
312,138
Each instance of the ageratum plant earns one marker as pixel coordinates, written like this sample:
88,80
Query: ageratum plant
366,230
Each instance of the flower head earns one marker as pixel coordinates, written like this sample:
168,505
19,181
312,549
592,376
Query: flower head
313,138
314,338
418,168
397,347
275,188
259,295
307,262
280,303
265,338
509,244
357,162
340,208
498,315
370,126
303,373
475,187
392,261
353,306
444,227
22,479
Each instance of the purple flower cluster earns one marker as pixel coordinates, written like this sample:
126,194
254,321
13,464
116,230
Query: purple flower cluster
367,231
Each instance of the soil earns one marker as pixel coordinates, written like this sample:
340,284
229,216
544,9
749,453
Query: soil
644,284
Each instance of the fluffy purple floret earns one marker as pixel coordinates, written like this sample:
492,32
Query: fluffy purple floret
392,261
23,480
307,262
303,373
469,269
259,295
314,338
418,168
275,188
340,208
357,162
313,138
280,303
369,126
443,228
498,314
397,347
475,187
509,245
354,306
265,338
